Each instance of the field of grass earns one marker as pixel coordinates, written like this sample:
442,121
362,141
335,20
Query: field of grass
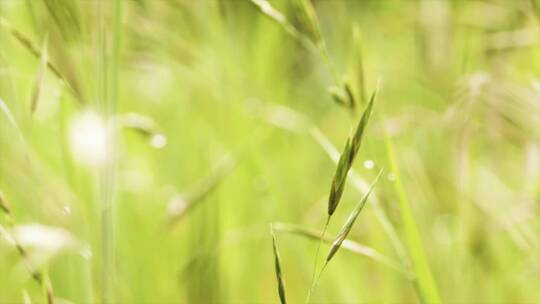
266,151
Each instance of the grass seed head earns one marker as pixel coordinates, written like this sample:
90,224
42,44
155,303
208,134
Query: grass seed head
342,235
346,159
279,274
311,21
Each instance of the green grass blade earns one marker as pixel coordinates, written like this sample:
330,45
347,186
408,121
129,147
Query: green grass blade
342,235
36,90
349,245
426,285
279,274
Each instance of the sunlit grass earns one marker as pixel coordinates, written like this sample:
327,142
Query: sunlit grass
146,146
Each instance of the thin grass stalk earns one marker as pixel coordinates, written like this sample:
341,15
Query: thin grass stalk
25,41
37,275
108,91
36,91
315,42
346,160
362,186
194,196
279,274
315,262
536,11
300,125
344,232
425,282
349,245
350,221
11,120
359,65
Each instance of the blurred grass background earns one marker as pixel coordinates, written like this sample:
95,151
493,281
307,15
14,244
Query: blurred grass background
160,98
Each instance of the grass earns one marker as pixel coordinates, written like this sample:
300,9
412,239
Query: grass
279,274
146,146
427,288
342,235
36,274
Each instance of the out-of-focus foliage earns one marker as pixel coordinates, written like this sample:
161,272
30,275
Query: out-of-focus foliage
146,152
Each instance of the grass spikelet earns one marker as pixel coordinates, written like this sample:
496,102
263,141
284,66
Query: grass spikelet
350,95
28,44
32,48
39,77
343,96
351,246
342,235
267,9
346,159
279,274
309,18
337,95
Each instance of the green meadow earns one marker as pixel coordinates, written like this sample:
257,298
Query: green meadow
269,151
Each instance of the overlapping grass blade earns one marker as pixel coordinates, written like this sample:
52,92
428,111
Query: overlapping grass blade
338,241
352,146
348,245
342,235
11,119
301,124
347,157
25,41
36,274
279,274
36,91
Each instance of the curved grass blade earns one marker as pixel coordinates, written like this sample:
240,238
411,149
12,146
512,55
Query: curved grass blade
279,274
